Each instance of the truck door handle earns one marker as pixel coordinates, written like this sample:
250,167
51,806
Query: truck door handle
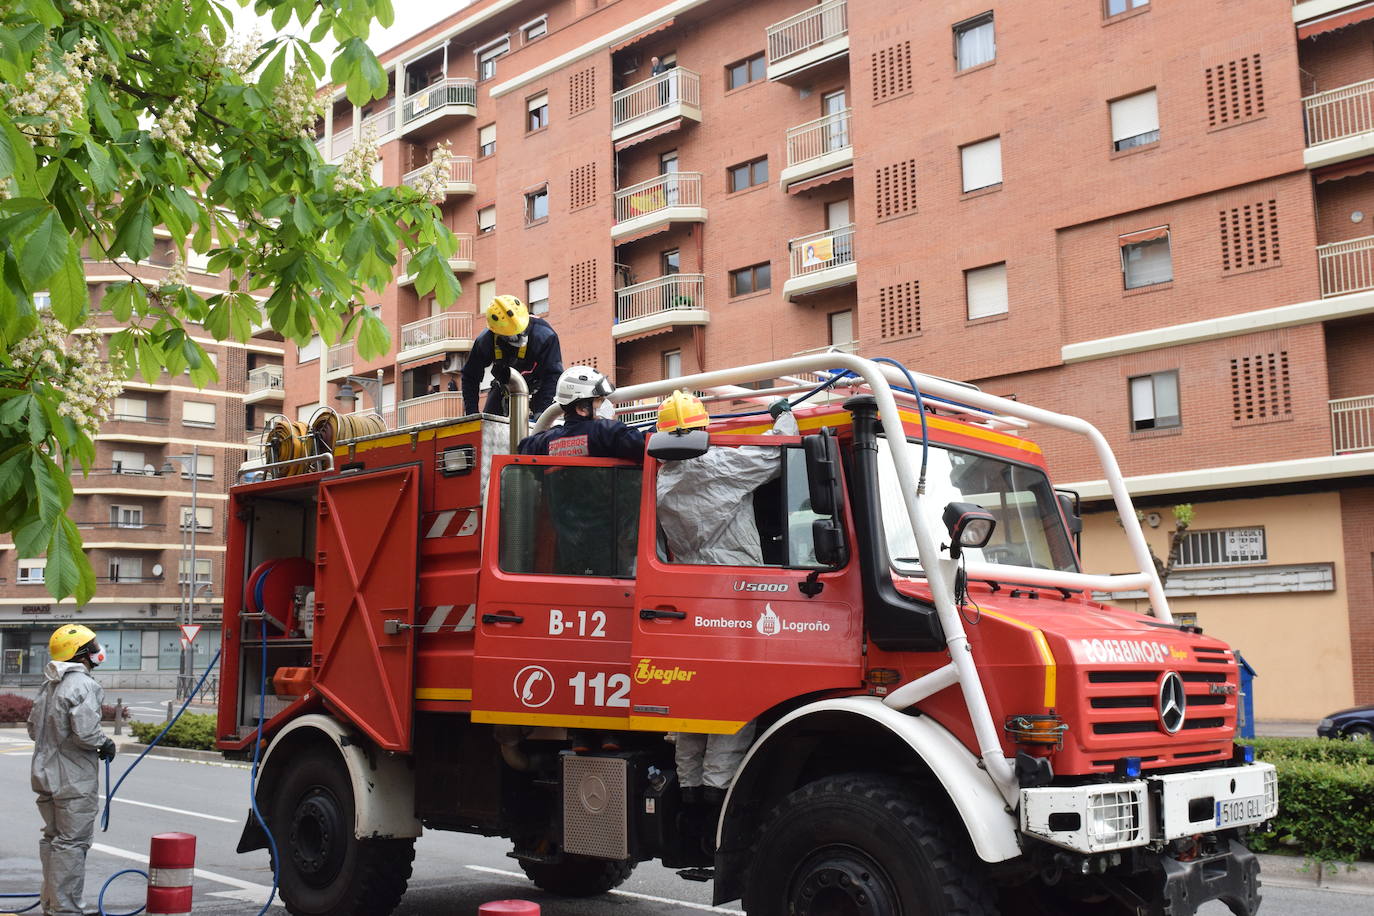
648,613
502,618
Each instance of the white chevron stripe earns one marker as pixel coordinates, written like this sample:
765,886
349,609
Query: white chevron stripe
469,524
436,620
441,523
468,621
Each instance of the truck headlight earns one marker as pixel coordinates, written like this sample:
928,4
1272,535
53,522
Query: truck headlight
1114,818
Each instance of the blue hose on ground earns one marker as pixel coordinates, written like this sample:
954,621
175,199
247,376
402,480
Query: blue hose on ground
253,778
100,901
110,793
23,897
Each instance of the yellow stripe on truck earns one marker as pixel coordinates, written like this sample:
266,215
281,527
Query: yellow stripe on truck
1042,645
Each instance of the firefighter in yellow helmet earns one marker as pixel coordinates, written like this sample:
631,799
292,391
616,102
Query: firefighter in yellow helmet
514,340
67,740
706,513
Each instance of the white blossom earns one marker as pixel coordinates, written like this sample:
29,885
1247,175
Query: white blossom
355,169
431,179
73,366
55,89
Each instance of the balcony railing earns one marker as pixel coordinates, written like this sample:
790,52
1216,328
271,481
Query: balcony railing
342,142
451,91
448,326
340,357
822,250
675,189
381,122
659,295
1343,112
1352,424
818,138
655,94
1346,267
459,172
440,406
264,378
808,29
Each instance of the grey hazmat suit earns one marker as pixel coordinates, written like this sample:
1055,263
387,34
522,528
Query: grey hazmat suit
706,510
65,728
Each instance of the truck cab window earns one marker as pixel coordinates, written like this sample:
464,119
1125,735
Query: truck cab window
569,521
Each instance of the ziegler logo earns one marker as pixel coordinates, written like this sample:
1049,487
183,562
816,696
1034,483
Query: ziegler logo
742,585
646,671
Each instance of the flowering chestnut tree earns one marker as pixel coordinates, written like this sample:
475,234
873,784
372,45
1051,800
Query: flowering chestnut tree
117,116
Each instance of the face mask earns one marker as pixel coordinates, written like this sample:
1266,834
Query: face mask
97,655
605,410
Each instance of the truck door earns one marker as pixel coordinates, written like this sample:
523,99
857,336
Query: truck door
715,645
366,574
554,603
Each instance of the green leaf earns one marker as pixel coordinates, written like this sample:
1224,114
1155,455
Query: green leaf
103,174
68,571
43,250
67,288
373,338
45,488
6,153
14,472
271,76
134,231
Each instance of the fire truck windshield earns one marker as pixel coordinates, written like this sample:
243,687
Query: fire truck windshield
1030,530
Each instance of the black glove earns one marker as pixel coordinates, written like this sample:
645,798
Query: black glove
779,407
107,750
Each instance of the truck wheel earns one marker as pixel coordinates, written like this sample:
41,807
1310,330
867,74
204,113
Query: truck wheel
578,876
325,868
862,844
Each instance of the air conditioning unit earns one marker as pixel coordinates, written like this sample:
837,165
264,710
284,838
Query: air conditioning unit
453,362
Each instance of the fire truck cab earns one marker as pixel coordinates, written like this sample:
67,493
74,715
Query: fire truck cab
426,630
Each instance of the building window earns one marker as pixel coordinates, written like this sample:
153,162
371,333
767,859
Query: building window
1222,547
986,289
486,219
1154,401
486,57
197,413
842,329
974,42
126,516
537,295
750,279
749,174
205,467
486,140
306,411
31,571
743,72
205,518
536,206
125,569
486,291
538,108
1117,7
311,351
672,363
1135,120
130,409
982,164
532,31
202,571
122,462
1145,258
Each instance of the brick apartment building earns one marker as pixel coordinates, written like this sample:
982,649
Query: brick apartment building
164,462
1149,213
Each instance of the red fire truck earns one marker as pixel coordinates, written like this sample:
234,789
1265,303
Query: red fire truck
948,718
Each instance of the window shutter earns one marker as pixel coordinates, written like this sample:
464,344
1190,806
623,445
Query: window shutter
1142,400
1144,235
198,412
1134,115
538,289
1166,397
486,218
486,135
538,101
841,328
982,164
987,291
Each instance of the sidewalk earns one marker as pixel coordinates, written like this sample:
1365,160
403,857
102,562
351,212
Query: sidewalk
1296,871
1286,728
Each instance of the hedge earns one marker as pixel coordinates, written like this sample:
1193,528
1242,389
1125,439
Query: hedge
192,730
1326,798
14,708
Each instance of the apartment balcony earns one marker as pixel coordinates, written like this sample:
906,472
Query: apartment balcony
811,37
433,107
338,362
341,141
381,123
438,334
464,260
1352,425
1340,124
129,536
652,206
443,405
1346,267
322,147
264,384
457,180
820,261
127,481
657,104
664,302
817,147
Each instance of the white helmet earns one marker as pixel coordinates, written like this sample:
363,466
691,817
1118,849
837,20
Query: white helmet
579,383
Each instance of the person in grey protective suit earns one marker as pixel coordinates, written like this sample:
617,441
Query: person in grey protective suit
706,511
65,728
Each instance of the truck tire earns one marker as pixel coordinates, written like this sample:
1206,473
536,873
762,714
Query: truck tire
578,876
862,843
325,868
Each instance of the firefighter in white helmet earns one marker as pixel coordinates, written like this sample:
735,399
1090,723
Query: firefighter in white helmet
65,728
706,511
589,428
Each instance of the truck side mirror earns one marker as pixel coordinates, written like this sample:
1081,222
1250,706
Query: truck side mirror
677,446
823,472
827,538
1068,504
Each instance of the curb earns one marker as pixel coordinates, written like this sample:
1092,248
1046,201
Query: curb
134,748
1300,872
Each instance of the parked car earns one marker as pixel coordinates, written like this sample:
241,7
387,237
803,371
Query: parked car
1356,723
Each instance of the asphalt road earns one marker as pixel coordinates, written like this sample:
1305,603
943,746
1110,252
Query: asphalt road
453,873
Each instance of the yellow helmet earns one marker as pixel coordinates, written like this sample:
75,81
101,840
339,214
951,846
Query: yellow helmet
507,316
67,640
681,411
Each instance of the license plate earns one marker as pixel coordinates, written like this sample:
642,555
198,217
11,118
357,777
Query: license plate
1246,810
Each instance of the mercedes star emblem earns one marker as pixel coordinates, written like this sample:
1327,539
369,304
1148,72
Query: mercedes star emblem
1173,703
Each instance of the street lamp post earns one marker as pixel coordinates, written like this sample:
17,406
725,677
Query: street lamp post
373,386
188,584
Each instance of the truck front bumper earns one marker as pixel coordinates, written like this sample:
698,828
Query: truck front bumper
1102,817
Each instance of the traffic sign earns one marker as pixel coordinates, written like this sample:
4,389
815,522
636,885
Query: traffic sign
189,631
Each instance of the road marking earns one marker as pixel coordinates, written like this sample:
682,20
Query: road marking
262,890
649,897
208,817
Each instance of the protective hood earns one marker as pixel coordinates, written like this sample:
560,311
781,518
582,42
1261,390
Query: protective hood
56,671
